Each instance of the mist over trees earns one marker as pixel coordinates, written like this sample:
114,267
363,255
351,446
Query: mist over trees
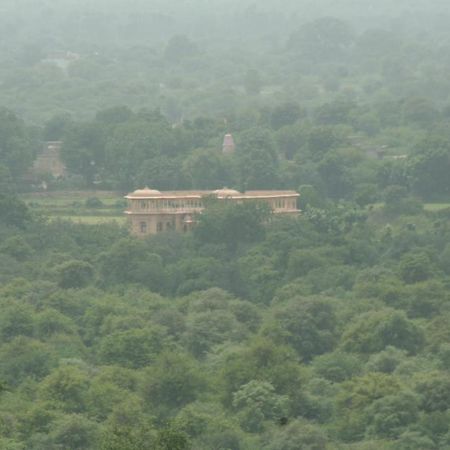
195,58
325,331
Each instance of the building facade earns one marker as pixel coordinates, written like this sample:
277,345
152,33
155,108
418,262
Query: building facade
150,211
49,161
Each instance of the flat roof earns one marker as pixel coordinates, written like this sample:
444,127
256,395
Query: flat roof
200,194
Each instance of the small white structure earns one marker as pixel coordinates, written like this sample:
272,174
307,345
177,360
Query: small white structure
228,144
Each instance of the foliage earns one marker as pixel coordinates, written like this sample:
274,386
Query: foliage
74,274
232,224
86,342
13,212
325,331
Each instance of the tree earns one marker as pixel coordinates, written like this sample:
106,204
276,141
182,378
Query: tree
420,111
322,139
180,47
302,261
171,382
74,274
7,185
56,127
17,247
334,170
434,391
290,140
256,159
83,150
252,82
298,436
391,415
326,38
129,261
337,366
16,320
75,432
415,267
163,172
413,440
429,167
209,425
285,114
172,438
133,348
204,169
310,197
206,329
306,324
258,277
114,115
256,402
231,223
355,399
387,360
337,112
122,437
16,144
13,212
24,358
51,322
196,274
146,136
262,360
372,332
66,387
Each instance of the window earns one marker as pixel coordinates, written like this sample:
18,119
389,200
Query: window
159,227
143,227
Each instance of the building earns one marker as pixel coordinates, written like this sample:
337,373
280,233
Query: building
228,145
62,60
49,161
151,211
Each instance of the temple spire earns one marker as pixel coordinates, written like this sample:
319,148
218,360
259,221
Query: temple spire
228,146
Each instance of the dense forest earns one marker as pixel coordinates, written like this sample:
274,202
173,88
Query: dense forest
326,331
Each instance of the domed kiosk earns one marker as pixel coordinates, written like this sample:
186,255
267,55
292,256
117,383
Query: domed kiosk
227,193
144,193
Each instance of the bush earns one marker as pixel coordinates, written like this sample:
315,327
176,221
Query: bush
93,202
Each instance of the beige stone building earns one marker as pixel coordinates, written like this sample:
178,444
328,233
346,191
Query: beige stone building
49,161
151,211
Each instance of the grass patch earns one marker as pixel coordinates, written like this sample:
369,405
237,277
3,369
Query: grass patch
92,220
427,206
68,197
436,206
71,206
